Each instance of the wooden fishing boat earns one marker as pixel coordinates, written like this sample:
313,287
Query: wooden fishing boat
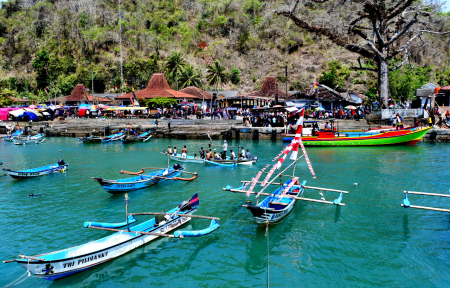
23,142
62,263
37,139
228,162
115,137
396,137
13,136
188,158
278,204
144,137
91,139
29,173
143,180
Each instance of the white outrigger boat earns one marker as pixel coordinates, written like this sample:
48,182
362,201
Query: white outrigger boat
62,263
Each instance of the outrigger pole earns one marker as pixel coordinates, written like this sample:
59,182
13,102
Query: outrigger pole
407,204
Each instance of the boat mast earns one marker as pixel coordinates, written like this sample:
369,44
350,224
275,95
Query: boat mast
121,58
126,208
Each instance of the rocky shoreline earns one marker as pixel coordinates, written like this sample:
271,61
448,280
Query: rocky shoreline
186,128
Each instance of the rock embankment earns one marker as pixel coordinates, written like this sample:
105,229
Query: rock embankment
188,128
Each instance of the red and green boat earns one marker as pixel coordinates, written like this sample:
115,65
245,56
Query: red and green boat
395,137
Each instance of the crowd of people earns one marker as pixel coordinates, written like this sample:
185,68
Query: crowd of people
212,154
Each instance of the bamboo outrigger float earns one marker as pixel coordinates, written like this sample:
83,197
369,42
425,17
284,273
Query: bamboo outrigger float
407,204
278,204
62,263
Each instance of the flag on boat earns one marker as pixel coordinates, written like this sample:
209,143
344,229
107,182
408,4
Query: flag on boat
293,182
194,200
254,183
307,159
298,136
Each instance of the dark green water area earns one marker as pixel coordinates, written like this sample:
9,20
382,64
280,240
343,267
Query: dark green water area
370,242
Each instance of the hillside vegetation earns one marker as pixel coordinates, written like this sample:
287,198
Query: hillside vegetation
57,44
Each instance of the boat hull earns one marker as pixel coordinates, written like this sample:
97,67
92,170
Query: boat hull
185,159
56,269
28,174
120,187
400,137
265,213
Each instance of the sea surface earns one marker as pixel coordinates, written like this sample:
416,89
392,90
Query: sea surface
370,242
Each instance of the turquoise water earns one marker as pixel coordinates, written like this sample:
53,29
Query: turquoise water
370,242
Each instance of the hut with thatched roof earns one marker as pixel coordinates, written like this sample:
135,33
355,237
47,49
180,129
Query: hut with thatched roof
157,87
77,97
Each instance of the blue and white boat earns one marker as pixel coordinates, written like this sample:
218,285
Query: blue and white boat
62,263
144,137
275,207
39,138
228,162
13,136
115,137
140,181
29,173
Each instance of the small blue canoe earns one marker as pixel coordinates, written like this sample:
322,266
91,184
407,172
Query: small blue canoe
140,181
29,173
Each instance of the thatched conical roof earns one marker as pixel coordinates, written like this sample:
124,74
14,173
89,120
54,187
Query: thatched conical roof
268,89
158,87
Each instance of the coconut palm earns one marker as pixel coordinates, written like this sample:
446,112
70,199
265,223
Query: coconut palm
216,74
190,77
175,64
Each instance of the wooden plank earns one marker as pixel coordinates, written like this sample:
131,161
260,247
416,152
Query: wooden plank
425,193
183,215
427,208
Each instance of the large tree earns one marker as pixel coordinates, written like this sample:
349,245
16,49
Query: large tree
383,31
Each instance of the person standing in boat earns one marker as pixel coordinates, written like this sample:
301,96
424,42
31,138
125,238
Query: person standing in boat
169,150
202,153
225,147
249,156
184,152
399,122
174,151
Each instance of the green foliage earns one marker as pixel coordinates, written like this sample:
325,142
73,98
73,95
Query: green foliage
252,6
160,102
190,77
175,64
234,75
5,99
336,75
243,42
41,61
216,74
404,82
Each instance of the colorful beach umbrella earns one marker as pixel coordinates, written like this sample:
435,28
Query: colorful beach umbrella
351,107
32,107
319,109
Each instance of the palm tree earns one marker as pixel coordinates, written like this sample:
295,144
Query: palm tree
216,74
190,77
175,64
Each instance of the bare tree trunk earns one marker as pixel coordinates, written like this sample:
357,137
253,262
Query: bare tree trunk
383,82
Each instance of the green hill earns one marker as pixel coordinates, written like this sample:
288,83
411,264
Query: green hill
57,44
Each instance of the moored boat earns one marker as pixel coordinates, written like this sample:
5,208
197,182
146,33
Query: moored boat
13,136
62,263
278,204
40,171
395,137
144,137
142,180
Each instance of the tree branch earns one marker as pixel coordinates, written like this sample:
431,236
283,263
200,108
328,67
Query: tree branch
397,9
400,64
404,46
404,30
333,37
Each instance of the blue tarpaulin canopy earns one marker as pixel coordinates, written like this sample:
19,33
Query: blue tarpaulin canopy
31,115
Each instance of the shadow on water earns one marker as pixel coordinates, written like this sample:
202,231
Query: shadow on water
337,214
406,231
